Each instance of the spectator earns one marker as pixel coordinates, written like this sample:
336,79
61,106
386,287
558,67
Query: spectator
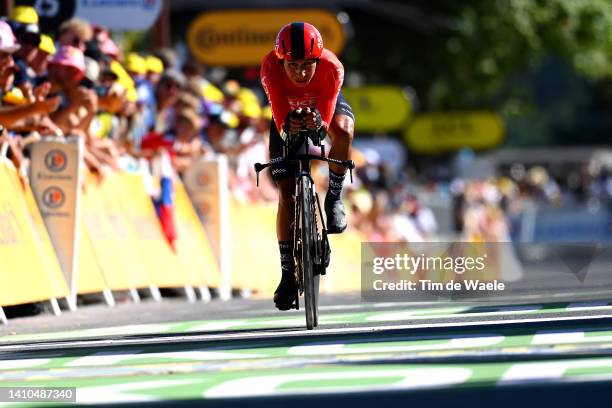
25,27
76,33
188,145
167,93
10,116
44,54
79,104
155,68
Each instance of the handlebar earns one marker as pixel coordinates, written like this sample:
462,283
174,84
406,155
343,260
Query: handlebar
316,136
348,164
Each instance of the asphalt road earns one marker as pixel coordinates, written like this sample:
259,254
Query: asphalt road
243,352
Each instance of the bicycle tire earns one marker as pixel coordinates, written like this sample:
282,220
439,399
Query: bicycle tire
308,238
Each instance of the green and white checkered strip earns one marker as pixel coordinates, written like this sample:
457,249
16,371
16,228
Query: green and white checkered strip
297,320
285,365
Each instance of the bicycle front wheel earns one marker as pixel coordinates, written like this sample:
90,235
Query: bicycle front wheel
308,237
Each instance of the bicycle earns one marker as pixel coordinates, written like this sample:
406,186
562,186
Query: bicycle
311,250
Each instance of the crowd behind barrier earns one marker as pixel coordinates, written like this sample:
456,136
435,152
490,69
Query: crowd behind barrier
131,108
129,111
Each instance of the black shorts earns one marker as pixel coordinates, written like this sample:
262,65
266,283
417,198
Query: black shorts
287,170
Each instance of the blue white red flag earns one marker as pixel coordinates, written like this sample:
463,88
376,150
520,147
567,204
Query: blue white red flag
164,202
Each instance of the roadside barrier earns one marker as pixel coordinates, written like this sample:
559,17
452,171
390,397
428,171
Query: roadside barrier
162,265
29,269
41,237
73,232
194,249
111,244
255,258
90,279
206,181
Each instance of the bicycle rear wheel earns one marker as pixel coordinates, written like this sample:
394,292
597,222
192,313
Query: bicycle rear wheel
309,238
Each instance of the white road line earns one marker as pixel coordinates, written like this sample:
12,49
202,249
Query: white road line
404,378
287,334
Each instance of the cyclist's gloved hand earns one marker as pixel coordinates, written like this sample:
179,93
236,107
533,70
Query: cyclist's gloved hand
312,119
293,123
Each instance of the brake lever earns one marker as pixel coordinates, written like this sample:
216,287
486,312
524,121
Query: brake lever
351,166
259,167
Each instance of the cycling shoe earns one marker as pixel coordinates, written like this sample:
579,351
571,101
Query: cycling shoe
336,216
285,295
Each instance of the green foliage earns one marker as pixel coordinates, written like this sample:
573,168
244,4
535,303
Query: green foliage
496,38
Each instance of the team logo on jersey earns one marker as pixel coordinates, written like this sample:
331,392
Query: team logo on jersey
56,161
53,197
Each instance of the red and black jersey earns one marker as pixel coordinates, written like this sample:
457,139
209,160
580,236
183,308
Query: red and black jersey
320,93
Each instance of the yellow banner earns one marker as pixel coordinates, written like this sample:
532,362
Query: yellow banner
250,220
24,277
162,265
90,278
243,37
378,108
193,247
255,258
41,238
113,245
433,133
125,236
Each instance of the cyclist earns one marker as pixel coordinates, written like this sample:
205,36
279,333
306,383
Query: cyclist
300,74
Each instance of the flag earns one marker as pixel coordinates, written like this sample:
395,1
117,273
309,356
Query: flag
164,201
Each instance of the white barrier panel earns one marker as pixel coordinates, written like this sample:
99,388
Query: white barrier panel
55,175
207,184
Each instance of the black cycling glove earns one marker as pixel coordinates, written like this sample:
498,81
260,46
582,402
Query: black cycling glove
318,120
287,125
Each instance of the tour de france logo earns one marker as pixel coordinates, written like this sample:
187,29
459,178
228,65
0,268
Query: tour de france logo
56,161
53,197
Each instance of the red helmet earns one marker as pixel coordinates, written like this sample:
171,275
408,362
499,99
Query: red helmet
298,41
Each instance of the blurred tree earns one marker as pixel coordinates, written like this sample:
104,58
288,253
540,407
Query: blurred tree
495,54
495,39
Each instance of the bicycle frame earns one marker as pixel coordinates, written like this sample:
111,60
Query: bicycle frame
311,250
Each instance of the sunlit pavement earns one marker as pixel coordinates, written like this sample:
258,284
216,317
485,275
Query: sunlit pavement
363,353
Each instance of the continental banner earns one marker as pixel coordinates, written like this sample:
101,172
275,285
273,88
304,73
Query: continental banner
55,176
243,37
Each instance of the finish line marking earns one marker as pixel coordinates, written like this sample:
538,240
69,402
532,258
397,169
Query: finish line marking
294,333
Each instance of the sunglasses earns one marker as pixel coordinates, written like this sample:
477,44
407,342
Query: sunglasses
77,42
